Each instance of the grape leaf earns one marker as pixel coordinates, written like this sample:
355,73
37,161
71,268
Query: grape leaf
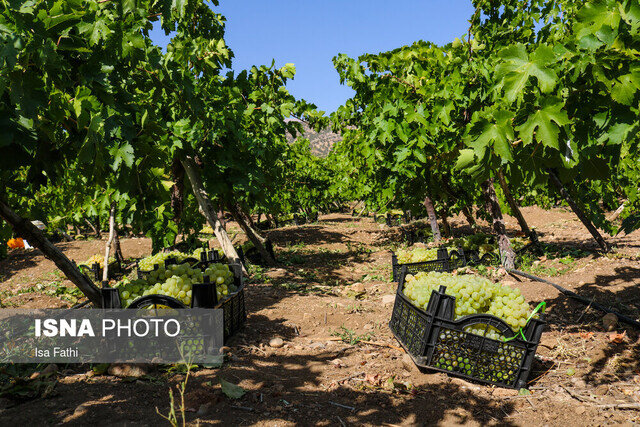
518,67
544,123
231,390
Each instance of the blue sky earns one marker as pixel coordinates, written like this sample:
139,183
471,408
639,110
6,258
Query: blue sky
310,33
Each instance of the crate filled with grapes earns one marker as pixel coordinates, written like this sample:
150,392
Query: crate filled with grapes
180,286
94,266
426,259
467,326
146,265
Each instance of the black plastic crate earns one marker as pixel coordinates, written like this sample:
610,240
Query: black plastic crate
416,236
435,341
203,296
473,258
446,262
95,271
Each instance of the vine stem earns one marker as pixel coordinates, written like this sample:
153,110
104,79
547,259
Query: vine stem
576,209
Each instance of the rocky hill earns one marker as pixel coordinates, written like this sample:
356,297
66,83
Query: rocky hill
321,142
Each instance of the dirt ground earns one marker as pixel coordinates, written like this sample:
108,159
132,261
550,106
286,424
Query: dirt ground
330,301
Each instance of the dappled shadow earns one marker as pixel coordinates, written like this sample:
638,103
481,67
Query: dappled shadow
305,234
283,388
17,260
616,360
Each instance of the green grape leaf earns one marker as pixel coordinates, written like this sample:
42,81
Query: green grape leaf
518,67
231,390
544,123
465,159
123,153
596,14
625,88
630,224
496,133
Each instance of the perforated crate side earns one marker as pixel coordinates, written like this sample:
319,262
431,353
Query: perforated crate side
435,341
445,263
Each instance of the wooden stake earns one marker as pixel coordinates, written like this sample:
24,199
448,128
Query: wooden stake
112,227
507,255
516,210
433,220
207,210
576,209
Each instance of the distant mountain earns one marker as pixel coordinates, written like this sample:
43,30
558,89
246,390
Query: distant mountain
321,142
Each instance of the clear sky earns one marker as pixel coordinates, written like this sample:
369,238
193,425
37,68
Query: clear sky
310,33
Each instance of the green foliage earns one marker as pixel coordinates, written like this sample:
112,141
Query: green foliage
558,89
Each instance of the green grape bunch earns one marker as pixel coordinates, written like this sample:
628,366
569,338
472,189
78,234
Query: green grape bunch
177,280
149,263
480,242
97,259
474,295
420,254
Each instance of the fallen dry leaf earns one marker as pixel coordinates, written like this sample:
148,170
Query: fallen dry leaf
617,338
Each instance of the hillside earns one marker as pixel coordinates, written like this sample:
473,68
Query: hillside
321,142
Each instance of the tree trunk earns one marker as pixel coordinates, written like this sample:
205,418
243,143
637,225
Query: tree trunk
272,221
223,222
107,248
576,209
445,224
117,249
177,189
207,210
27,230
433,220
469,216
516,210
617,213
247,218
96,231
258,242
507,255
468,213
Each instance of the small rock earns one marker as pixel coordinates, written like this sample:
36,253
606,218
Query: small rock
204,409
276,342
317,345
338,363
127,370
50,369
609,321
581,283
601,390
580,410
407,363
578,382
357,287
388,299
368,327
81,409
